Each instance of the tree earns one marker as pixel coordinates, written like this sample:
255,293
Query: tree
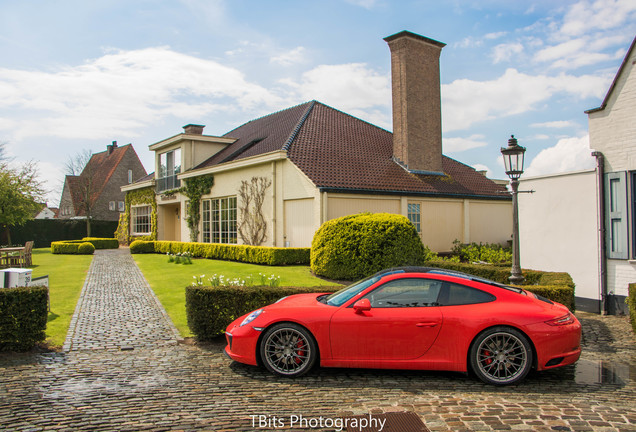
20,192
253,226
83,188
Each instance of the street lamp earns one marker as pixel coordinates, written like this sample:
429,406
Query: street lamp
513,161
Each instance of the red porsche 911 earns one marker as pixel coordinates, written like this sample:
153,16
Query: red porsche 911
411,318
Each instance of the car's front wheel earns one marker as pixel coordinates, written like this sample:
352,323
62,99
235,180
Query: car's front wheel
501,355
288,349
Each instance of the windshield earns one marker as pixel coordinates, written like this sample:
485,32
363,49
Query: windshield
344,295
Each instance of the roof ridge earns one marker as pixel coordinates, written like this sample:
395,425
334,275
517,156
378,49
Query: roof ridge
354,117
299,125
227,134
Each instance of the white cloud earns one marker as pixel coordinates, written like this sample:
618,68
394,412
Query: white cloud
122,92
585,16
367,4
466,102
460,144
296,55
558,124
569,154
348,87
495,35
503,52
480,167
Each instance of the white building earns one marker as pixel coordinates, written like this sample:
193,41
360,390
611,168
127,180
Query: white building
584,223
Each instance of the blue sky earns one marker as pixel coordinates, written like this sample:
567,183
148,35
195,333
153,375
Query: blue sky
77,75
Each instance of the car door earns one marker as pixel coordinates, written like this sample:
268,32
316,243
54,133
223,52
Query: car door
401,324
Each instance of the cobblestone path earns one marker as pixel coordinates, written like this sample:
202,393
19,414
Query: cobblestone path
117,309
161,387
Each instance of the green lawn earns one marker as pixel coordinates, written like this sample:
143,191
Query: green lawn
169,280
66,278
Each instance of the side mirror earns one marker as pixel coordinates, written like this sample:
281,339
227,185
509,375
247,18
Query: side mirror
362,306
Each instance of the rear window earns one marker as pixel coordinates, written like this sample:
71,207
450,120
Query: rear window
455,295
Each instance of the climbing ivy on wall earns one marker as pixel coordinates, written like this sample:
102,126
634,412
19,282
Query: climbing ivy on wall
138,197
194,189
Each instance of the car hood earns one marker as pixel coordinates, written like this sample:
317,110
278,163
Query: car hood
297,300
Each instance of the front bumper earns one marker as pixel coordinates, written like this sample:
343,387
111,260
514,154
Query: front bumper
242,343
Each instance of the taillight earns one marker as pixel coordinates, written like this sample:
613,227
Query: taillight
561,321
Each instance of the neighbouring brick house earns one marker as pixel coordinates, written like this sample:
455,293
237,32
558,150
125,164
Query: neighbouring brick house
585,222
320,163
99,184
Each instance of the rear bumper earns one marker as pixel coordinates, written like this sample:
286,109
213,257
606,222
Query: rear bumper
556,346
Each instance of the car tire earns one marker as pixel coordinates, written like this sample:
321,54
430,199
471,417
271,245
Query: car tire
501,356
288,349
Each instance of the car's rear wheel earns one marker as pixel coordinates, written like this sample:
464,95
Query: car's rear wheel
288,349
501,355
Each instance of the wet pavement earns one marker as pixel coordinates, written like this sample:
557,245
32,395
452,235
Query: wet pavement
183,387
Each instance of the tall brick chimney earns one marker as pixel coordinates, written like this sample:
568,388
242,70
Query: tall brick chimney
417,115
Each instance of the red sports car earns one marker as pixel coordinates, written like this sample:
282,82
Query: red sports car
411,318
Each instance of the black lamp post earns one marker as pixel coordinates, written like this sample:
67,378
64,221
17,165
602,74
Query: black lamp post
513,161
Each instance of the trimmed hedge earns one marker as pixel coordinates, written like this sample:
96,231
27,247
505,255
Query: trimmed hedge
85,246
102,243
555,286
631,304
355,246
75,247
23,315
211,309
249,254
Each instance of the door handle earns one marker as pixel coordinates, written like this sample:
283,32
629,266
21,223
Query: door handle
426,324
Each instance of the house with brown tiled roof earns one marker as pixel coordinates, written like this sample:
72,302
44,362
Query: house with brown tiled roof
316,163
96,192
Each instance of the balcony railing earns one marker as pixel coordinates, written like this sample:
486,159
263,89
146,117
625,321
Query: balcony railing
168,183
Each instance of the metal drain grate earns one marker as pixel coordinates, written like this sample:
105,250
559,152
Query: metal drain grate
406,421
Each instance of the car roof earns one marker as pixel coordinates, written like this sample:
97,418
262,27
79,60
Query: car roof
446,272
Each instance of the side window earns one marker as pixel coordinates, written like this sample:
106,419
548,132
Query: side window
455,295
411,292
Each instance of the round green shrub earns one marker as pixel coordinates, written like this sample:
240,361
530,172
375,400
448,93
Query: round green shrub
85,248
141,246
356,246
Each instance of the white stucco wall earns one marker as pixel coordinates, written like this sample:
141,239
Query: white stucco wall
613,133
558,228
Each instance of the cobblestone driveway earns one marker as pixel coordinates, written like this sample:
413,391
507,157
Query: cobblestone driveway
181,387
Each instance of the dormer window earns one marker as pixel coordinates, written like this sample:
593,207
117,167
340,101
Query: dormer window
169,168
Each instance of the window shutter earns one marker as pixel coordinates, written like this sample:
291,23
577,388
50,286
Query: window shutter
616,215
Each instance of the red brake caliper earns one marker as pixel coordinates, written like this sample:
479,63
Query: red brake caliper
300,352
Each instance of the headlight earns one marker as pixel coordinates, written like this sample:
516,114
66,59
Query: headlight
251,317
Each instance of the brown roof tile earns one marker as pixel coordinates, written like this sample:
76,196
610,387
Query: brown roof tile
340,152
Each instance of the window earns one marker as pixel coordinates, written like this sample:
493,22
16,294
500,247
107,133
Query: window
455,295
219,220
121,206
415,217
205,216
169,168
633,175
141,220
616,215
111,205
408,292
130,176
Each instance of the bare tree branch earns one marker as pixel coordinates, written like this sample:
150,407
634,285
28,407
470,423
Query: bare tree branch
253,226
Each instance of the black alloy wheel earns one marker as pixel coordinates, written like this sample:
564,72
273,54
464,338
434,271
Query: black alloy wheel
288,349
501,356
